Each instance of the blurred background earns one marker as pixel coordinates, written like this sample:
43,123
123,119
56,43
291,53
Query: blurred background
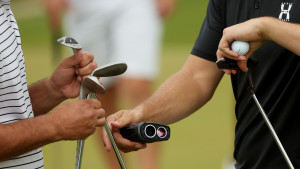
203,140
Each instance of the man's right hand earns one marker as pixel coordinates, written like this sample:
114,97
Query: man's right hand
117,121
76,120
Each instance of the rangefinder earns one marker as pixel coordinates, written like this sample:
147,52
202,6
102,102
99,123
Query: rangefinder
146,132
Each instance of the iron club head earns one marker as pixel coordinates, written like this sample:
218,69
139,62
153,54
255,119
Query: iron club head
69,42
90,84
108,70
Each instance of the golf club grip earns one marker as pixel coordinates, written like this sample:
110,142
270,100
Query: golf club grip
146,132
226,63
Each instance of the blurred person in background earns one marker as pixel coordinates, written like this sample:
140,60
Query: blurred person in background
25,125
272,29
127,31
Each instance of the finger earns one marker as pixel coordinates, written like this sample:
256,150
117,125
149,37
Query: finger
87,69
106,141
243,65
86,59
96,104
229,53
227,71
127,145
224,46
234,71
100,113
100,122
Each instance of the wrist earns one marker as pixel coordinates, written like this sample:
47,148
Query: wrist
53,127
54,90
265,26
138,115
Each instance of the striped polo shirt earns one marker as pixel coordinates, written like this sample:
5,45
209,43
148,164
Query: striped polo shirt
15,102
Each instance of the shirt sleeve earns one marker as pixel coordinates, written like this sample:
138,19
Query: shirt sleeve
211,31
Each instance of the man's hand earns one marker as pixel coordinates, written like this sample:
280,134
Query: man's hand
68,75
250,31
76,120
117,121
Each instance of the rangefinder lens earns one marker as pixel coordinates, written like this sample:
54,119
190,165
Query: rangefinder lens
150,131
161,132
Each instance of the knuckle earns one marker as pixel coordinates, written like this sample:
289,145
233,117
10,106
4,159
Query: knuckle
93,65
225,31
89,55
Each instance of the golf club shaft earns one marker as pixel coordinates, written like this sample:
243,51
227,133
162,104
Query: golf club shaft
80,143
111,138
114,145
79,152
281,148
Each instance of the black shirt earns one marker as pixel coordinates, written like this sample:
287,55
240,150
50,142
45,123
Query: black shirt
277,84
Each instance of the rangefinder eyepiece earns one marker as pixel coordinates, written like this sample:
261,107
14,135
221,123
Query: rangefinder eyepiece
150,131
146,132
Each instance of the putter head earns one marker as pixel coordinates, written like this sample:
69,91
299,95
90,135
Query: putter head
108,70
69,42
90,84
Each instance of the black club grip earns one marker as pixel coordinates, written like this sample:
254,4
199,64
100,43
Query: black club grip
225,63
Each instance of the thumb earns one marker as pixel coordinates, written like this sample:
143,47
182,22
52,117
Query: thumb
116,125
75,59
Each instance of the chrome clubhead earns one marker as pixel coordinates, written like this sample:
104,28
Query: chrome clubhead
69,42
108,70
90,84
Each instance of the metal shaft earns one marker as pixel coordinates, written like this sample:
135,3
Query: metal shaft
281,148
114,145
111,139
79,153
80,143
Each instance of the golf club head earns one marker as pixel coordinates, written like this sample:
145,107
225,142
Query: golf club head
90,84
69,42
146,132
108,70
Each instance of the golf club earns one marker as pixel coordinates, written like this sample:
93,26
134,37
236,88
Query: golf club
89,87
225,63
113,69
89,84
69,42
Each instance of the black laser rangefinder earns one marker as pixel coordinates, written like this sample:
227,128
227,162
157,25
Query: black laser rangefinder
146,132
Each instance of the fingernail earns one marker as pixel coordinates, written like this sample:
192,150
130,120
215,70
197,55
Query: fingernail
115,122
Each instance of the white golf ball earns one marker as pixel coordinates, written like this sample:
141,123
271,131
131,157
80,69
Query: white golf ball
240,47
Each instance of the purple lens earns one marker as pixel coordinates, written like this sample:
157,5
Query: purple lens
161,132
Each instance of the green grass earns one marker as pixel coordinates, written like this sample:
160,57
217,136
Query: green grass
199,141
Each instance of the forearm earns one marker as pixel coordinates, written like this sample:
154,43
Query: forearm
183,93
26,135
283,33
44,97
